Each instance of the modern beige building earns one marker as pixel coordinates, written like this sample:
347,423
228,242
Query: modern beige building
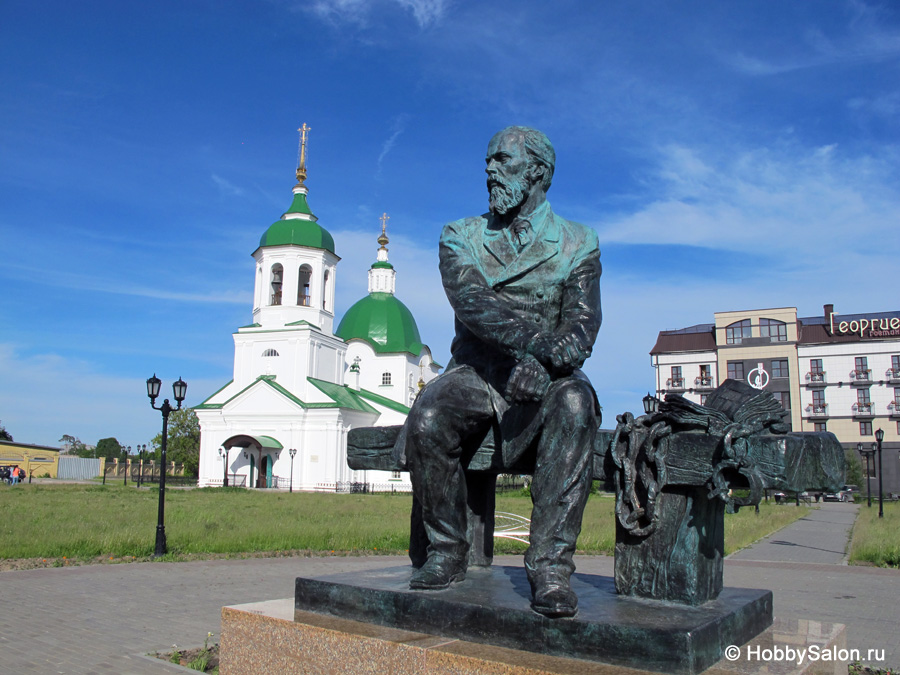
837,373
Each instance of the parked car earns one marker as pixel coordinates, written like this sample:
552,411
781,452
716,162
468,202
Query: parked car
845,494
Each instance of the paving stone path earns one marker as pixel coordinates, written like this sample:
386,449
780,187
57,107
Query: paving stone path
104,618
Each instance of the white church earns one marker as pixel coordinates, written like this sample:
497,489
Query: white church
299,385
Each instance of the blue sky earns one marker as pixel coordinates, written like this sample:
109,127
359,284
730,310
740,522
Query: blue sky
730,156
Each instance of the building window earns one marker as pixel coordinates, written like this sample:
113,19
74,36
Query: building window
677,381
736,370
703,398
737,331
862,397
815,366
270,352
784,398
705,375
277,279
898,428
897,397
818,401
862,368
395,475
303,294
820,426
780,368
865,428
325,291
776,331
386,379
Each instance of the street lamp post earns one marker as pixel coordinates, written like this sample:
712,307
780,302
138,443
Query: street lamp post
223,453
126,452
141,448
879,437
292,452
179,389
861,449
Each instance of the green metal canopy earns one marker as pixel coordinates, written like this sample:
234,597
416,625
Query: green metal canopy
244,441
384,322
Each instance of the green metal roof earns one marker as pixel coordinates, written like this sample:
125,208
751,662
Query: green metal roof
299,205
382,264
297,232
382,400
384,322
343,396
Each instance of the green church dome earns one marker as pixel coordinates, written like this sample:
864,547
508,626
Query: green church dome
298,232
302,231
384,322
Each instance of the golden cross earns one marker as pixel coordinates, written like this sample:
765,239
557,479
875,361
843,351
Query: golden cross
384,218
301,159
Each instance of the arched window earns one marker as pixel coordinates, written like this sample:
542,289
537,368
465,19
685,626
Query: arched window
325,291
277,279
776,331
736,332
270,352
386,379
303,295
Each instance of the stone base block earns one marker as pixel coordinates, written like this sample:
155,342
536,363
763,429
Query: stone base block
272,637
493,606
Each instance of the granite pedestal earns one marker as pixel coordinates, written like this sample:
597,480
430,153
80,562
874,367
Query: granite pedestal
492,607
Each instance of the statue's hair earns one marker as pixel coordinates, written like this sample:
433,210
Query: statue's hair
540,148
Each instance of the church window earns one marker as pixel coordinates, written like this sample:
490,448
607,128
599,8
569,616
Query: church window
325,291
303,295
386,379
270,352
277,280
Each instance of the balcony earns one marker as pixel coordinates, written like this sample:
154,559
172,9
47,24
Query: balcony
817,411
815,380
863,410
860,378
704,382
675,384
894,409
892,375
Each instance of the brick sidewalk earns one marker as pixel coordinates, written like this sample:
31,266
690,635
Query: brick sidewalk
101,618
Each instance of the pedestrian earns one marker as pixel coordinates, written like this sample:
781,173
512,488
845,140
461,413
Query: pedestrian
21,475
14,475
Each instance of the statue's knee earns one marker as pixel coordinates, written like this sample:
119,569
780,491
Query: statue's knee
574,397
422,421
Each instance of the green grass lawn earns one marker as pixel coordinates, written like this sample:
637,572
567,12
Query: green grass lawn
877,540
87,521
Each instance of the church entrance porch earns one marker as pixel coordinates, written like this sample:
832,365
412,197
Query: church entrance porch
255,466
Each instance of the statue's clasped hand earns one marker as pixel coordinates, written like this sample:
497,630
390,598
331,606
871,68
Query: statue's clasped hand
562,353
529,381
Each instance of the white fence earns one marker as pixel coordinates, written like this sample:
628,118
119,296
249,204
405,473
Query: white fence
78,468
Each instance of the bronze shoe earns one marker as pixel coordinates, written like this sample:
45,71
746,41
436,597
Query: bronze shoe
553,597
437,573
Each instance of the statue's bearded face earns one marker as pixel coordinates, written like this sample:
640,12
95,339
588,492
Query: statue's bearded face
508,182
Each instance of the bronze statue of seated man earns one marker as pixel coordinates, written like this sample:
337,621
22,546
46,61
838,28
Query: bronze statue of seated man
524,287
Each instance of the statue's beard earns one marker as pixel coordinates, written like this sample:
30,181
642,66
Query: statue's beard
506,196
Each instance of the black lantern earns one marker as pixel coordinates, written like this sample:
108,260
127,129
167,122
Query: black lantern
879,437
179,389
651,404
223,453
292,452
153,385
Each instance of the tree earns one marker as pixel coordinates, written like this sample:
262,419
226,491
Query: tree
854,468
74,446
4,434
183,443
109,448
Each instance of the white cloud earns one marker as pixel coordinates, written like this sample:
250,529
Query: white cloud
425,12
227,187
813,208
398,126
47,395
